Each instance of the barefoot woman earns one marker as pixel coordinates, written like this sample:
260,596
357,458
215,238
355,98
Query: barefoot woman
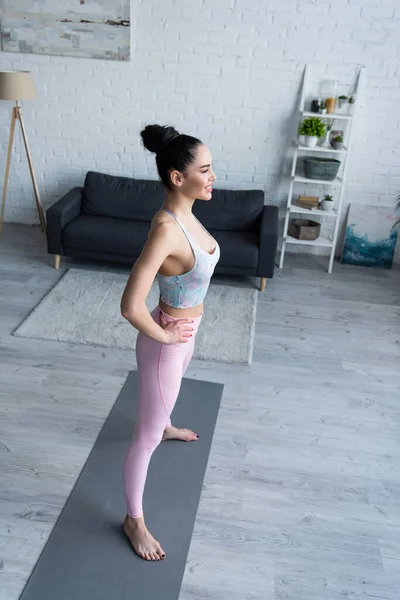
183,255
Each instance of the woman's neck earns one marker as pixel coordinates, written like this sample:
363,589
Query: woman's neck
180,205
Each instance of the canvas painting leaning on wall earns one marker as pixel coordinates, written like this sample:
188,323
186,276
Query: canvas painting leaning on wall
371,236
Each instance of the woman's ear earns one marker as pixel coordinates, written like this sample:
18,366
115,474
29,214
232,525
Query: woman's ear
176,178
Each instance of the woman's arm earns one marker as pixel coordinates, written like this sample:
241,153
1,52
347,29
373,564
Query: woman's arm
161,243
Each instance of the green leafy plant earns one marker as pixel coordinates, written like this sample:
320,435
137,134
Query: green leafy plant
312,126
338,139
329,124
343,98
352,100
328,197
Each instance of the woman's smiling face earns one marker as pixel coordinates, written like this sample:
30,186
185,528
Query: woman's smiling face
199,177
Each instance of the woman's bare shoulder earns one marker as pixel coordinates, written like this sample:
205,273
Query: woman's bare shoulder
163,226
163,230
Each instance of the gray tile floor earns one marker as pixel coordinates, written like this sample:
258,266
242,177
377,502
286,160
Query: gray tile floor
301,499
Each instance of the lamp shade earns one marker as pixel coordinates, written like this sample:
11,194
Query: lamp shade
17,85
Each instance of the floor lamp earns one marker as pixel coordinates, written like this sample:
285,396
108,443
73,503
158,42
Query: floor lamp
18,85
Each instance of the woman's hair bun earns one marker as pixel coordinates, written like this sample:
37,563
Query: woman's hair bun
157,137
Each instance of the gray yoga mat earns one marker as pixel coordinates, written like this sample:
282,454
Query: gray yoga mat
87,556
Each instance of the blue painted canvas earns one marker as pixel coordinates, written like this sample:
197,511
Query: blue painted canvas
371,236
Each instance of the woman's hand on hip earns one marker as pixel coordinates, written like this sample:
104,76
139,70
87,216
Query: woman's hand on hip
179,331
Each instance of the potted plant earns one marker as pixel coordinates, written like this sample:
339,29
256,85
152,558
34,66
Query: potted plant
343,101
337,142
327,203
322,108
352,100
312,128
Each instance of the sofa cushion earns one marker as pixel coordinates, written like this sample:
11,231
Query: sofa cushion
105,235
121,197
231,210
238,248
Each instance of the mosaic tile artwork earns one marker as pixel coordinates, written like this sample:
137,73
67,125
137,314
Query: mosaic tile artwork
82,28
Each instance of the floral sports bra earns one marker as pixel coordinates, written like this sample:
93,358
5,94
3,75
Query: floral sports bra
189,289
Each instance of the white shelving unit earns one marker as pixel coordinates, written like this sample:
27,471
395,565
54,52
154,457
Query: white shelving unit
338,183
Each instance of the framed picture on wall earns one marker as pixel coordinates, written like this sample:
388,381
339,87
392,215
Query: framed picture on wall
82,29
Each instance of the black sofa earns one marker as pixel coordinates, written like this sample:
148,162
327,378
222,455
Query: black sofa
109,219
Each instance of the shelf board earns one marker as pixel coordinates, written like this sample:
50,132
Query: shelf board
321,149
305,211
336,181
321,241
307,113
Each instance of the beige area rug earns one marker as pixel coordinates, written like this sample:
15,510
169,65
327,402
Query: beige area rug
84,308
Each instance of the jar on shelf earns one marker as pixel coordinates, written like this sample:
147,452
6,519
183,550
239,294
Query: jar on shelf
330,104
329,92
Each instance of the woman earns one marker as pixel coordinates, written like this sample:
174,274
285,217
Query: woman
184,255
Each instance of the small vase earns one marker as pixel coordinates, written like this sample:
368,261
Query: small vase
315,106
325,143
311,141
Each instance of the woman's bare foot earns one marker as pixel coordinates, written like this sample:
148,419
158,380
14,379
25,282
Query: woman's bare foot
173,433
141,539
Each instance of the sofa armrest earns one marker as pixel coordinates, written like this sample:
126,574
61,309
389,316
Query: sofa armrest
59,215
268,242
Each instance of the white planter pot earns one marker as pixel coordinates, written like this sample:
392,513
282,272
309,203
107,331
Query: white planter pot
302,140
311,141
327,205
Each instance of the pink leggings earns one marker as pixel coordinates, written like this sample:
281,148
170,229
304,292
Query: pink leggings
160,369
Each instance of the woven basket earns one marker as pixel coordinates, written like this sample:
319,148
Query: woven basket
321,168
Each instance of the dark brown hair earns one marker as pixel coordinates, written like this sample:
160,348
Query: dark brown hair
174,151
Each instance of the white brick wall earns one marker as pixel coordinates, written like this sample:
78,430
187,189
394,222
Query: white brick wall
227,71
